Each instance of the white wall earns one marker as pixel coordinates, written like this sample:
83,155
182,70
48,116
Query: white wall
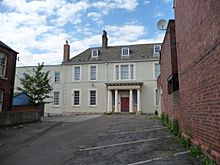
144,73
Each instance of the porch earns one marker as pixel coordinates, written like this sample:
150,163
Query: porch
124,97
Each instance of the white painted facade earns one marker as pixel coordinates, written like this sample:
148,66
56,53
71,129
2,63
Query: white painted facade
143,72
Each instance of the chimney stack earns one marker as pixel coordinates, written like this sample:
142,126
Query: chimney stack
66,52
104,40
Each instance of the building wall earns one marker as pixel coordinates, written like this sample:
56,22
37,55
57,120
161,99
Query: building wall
169,66
198,48
105,75
7,82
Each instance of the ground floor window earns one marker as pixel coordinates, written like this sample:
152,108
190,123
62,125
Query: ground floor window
1,99
76,97
56,98
92,97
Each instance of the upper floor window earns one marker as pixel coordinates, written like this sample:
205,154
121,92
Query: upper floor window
95,53
56,98
124,72
125,51
3,59
157,49
56,77
93,72
77,73
156,70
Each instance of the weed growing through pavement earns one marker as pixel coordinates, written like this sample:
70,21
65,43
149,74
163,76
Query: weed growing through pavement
195,151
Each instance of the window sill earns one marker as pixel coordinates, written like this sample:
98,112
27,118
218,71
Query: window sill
92,106
56,106
76,106
3,78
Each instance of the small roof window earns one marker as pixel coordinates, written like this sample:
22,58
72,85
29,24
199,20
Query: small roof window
95,53
125,51
157,48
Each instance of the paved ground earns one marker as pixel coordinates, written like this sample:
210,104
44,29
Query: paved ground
111,139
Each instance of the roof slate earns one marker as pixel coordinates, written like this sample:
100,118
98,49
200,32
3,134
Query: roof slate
139,52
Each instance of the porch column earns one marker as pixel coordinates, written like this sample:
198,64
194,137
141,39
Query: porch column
131,101
116,100
138,100
109,101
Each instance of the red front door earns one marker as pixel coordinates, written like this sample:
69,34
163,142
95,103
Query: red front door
124,104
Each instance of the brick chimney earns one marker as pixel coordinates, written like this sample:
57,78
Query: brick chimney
66,52
104,40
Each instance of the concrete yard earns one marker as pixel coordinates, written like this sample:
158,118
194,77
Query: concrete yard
98,140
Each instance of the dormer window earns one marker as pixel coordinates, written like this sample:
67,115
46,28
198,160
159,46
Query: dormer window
125,51
95,53
157,49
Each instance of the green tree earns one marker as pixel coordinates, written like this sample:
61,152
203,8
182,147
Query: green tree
36,84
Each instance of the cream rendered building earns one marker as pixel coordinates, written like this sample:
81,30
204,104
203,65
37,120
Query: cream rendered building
104,79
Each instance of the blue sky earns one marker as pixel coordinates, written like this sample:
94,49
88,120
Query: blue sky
38,29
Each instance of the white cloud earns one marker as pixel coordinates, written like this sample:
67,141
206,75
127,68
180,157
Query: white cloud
146,2
158,14
36,29
96,17
126,32
70,12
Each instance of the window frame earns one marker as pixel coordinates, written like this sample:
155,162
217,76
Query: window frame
89,98
73,97
80,73
90,75
96,52
117,75
122,52
1,99
154,70
3,73
155,49
57,81
56,105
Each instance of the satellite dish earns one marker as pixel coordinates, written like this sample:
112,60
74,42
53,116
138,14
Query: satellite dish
162,24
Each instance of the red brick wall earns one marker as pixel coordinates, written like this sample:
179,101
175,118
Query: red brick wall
7,83
168,65
198,43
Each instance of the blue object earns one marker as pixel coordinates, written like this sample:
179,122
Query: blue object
21,99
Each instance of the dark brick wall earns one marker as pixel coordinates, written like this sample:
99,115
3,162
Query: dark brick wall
7,83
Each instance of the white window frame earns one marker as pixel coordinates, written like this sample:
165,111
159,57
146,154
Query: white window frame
80,76
95,53
129,71
122,51
89,72
3,65
89,103
56,81
154,73
56,105
1,99
73,97
155,49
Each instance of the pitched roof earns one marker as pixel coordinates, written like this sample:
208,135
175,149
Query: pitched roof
139,52
6,47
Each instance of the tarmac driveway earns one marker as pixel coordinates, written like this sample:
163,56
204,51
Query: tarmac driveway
109,139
